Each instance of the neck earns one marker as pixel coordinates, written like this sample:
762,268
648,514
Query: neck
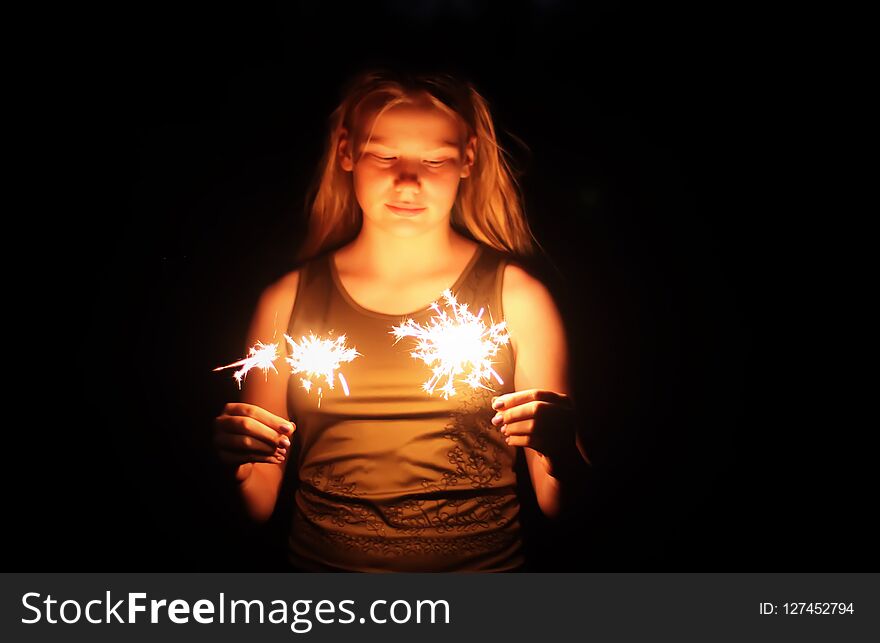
387,255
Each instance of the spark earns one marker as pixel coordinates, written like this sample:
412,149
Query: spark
460,346
314,358
260,356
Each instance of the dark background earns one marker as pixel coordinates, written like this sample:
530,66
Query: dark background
188,138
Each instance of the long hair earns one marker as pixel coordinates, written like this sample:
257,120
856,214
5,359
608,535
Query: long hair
488,207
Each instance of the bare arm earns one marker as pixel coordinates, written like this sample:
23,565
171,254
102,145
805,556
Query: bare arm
539,343
261,481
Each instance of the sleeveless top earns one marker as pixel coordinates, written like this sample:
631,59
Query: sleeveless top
392,479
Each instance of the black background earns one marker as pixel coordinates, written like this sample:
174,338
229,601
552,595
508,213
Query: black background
186,139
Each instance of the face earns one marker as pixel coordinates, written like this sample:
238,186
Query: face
407,175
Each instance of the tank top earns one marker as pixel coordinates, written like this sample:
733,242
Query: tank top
392,479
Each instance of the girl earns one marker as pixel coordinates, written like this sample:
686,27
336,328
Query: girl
414,196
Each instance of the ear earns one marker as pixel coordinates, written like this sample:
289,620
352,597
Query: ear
470,153
343,151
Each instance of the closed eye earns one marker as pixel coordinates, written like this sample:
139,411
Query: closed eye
383,158
436,163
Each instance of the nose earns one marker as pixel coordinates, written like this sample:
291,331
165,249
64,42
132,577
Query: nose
407,179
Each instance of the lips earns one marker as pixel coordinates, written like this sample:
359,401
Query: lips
406,210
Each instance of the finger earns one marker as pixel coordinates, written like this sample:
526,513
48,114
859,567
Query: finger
274,422
243,444
525,427
239,425
519,440
510,400
521,412
235,457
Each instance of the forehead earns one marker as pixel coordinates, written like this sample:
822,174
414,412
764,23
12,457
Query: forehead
408,125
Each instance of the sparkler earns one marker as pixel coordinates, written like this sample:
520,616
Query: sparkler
314,358
460,344
311,358
260,356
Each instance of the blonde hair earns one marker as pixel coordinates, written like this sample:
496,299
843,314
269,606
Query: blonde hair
488,207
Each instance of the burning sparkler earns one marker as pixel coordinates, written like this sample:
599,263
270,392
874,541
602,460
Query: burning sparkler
314,357
260,356
460,344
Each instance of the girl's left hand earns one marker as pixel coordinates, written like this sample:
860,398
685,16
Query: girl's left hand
538,419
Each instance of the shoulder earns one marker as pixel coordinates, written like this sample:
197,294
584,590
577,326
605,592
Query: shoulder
276,302
529,308
283,288
521,291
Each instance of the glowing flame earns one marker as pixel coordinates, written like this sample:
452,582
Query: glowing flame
456,345
260,356
319,358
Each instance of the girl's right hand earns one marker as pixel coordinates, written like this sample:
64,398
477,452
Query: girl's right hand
245,433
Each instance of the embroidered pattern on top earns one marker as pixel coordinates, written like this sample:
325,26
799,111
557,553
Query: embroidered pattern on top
477,462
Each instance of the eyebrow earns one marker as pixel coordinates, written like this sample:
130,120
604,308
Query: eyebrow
383,141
